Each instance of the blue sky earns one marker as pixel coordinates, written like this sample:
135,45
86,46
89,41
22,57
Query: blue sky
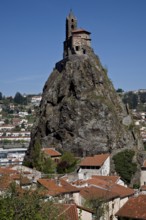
32,34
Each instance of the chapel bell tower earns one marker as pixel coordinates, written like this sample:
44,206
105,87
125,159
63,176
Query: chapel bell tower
77,39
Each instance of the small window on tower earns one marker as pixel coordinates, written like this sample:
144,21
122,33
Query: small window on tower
77,48
72,20
72,26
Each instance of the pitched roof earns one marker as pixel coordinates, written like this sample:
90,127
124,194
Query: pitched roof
93,192
51,186
96,160
80,30
106,184
7,170
111,179
51,152
134,208
67,211
122,190
54,189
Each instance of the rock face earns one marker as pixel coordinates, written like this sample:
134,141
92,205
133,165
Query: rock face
81,112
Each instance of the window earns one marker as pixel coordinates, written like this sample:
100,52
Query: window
77,48
84,51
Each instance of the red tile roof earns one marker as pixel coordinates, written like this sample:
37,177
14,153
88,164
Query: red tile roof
134,208
122,190
111,179
55,189
5,182
96,160
51,152
92,192
106,184
67,211
7,170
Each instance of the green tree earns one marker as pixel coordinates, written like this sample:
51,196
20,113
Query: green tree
142,96
131,99
16,204
124,165
67,163
119,90
19,99
99,204
1,96
40,161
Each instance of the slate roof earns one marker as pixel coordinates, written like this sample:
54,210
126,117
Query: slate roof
80,30
134,208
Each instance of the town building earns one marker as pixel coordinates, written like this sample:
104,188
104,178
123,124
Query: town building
96,165
134,208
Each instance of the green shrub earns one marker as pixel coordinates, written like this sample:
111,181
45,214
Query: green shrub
40,161
67,163
124,165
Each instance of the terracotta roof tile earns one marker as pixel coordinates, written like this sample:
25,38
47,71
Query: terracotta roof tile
122,190
51,152
68,187
112,179
104,183
134,208
67,211
7,170
96,160
5,182
98,182
51,186
93,192
56,189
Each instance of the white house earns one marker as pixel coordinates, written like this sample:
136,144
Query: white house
96,165
143,174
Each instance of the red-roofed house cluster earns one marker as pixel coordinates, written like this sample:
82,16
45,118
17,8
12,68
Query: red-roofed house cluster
83,196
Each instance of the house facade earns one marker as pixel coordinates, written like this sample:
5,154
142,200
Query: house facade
96,165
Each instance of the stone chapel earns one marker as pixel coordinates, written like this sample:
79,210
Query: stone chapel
76,38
